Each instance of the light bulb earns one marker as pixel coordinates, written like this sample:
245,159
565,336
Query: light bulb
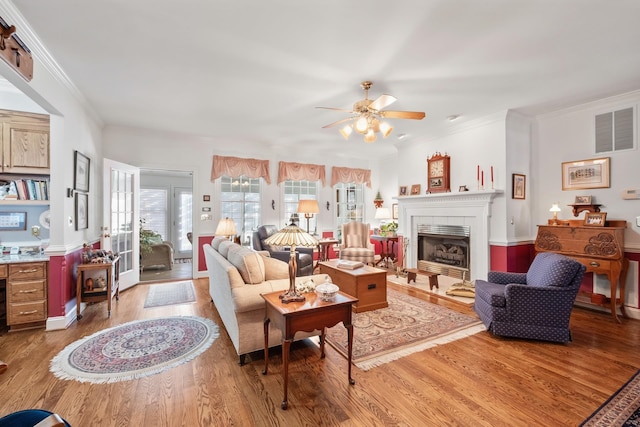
385,129
362,124
370,136
346,131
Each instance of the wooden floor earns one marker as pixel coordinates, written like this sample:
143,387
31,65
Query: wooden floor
179,271
477,381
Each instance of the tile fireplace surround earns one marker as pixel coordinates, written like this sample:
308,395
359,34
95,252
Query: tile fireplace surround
471,208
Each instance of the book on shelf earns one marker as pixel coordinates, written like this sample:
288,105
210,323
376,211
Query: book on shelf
349,265
28,189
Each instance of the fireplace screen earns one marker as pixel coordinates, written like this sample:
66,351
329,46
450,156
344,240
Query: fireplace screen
444,247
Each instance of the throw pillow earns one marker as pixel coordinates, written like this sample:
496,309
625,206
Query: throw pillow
354,241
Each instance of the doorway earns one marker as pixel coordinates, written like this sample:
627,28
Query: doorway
166,208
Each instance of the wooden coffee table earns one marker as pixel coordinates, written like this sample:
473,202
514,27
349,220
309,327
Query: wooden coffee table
368,284
308,316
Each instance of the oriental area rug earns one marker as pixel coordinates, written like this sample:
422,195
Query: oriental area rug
170,293
406,326
621,409
134,350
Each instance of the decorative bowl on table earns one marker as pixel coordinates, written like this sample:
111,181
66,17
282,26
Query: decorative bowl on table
327,291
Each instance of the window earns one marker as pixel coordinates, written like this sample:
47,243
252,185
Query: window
295,191
349,204
240,201
183,214
153,210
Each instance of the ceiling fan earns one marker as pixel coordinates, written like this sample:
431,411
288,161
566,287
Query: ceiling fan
367,116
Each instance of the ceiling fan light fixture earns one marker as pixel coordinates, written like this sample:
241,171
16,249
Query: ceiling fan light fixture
345,131
362,124
370,136
385,129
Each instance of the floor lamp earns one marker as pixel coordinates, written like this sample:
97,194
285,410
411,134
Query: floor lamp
292,236
308,208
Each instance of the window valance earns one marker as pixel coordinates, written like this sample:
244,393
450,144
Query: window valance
301,172
237,166
358,176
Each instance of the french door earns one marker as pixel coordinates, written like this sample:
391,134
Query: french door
121,218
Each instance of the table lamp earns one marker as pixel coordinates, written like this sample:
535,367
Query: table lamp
292,236
226,227
382,214
308,208
555,209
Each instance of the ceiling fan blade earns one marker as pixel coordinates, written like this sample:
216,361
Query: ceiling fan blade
337,123
336,109
414,115
382,101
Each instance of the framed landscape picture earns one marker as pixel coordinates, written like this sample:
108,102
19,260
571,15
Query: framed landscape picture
590,173
82,211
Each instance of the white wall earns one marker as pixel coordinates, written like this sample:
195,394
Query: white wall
568,135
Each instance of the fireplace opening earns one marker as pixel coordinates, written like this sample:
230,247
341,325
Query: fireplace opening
445,249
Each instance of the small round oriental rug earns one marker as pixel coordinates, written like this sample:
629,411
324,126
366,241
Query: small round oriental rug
134,350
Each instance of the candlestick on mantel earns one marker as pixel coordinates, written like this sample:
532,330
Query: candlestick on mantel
492,177
482,180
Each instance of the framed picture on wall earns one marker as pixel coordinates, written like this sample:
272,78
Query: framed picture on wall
81,164
590,173
82,211
394,209
518,186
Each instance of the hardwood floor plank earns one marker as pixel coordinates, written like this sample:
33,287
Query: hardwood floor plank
481,380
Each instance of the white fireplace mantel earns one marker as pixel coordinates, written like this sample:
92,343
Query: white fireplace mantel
471,208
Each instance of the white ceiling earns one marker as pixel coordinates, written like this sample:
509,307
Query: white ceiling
252,71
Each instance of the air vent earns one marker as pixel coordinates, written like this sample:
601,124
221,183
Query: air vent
614,130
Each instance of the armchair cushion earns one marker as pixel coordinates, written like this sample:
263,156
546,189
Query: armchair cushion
304,256
353,241
551,269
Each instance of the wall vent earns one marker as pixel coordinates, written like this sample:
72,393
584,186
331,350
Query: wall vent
615,130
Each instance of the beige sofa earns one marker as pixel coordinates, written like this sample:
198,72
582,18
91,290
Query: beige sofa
237,277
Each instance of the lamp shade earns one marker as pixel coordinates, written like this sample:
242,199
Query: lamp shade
308,206
382,213
555,208
291,235
226,227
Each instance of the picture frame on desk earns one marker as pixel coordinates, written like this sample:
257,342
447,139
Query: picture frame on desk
595,219
81,169
588,173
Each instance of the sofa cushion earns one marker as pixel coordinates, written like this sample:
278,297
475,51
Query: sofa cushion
215,243
551,269
249,264
223,248
275,269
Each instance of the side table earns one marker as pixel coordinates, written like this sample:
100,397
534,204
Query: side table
388,244
308,316
112,270
323,250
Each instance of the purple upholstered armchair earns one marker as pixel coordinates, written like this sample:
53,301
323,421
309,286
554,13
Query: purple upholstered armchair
534,305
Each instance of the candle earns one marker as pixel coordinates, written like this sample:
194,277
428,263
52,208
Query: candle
482,181
478,174
492,174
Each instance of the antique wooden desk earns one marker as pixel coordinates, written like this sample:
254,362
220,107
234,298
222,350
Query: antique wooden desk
308,316
600,249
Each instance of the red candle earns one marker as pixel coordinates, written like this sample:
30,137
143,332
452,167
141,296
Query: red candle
491,173
482,182
478,174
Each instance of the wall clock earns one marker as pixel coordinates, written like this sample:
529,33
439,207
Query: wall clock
438,173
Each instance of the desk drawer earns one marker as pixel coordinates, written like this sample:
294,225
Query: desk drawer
595,265
27,271
27,312
26,291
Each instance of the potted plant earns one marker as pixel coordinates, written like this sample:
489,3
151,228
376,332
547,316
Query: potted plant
389,229
147,238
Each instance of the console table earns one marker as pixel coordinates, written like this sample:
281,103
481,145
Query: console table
600,249
112,270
